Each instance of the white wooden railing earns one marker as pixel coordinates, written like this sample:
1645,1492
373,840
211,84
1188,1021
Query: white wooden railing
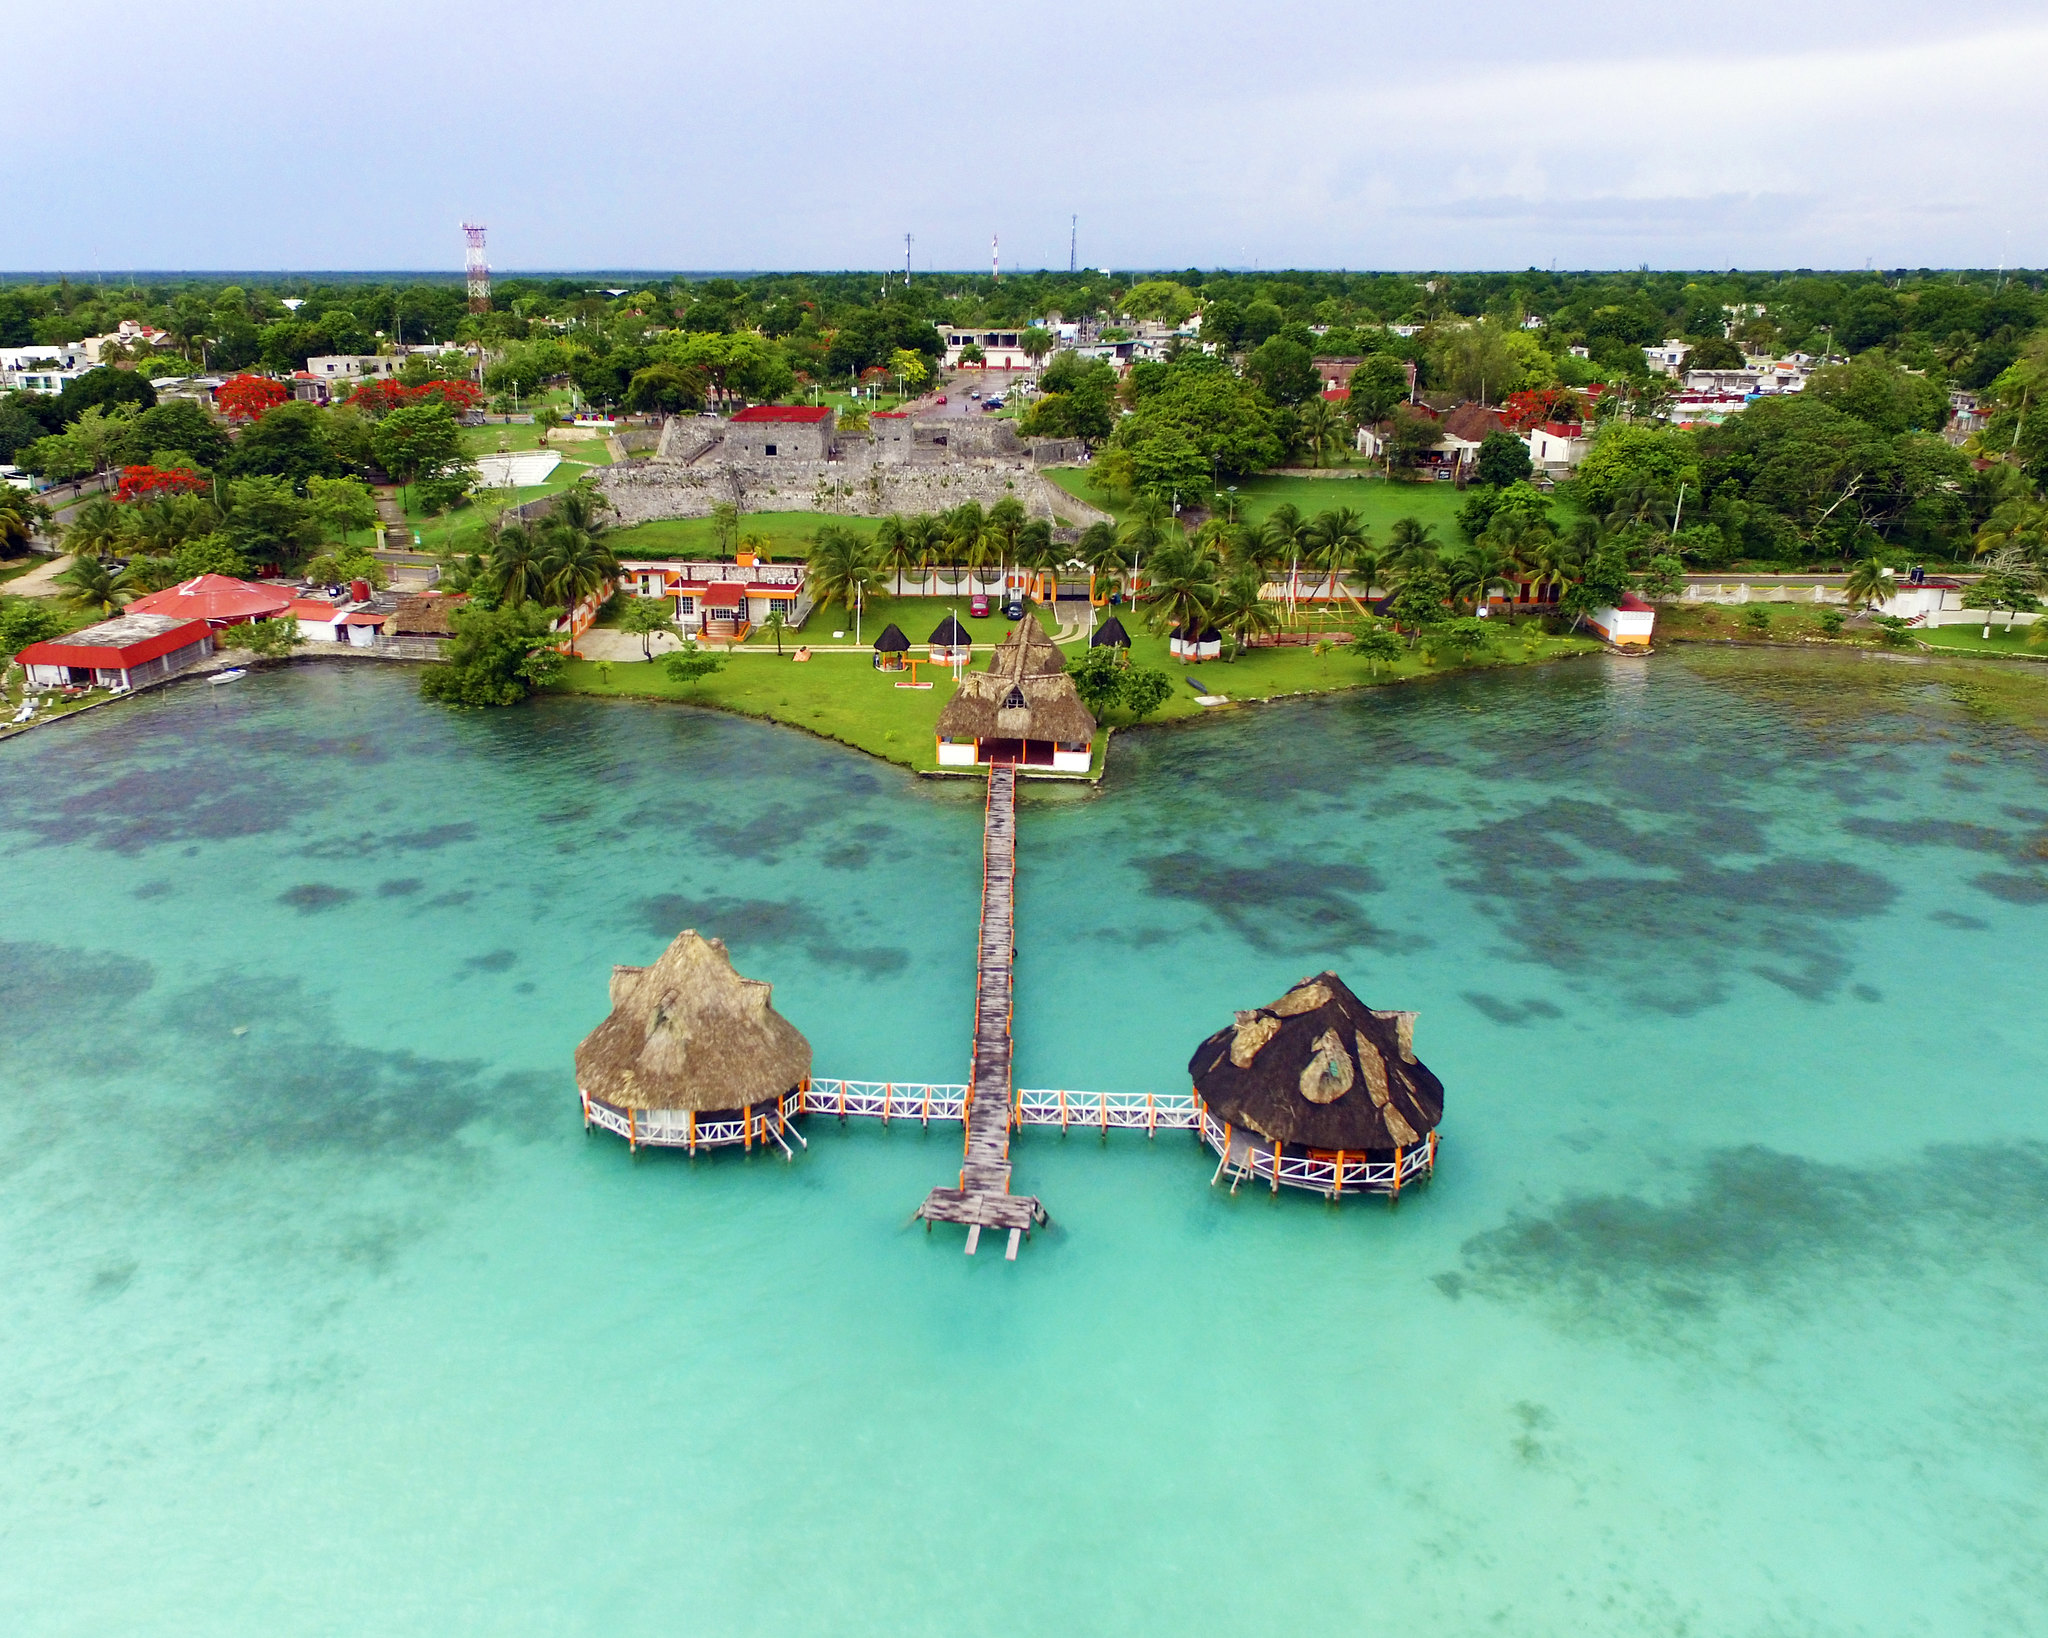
1244,1156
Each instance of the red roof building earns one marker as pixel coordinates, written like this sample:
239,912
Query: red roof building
781,432
217,599
125,652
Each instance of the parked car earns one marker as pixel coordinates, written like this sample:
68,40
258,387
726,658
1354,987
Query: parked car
991,404
942,398
978,607
973,392
1013,610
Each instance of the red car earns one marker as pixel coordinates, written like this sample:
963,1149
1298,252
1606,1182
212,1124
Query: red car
942,398
978,607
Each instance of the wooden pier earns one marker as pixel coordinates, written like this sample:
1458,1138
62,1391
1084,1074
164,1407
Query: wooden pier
983,1199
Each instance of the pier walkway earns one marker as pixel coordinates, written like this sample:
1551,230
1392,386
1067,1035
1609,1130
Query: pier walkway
983,1199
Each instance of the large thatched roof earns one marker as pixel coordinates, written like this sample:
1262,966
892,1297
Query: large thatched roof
1024,694
1321,1069
951,634
690,1033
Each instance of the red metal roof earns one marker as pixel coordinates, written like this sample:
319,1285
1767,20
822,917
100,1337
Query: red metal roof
216,598
1338,394
723,594
362,617
884,415
116,656
310,608
783,412
1634,604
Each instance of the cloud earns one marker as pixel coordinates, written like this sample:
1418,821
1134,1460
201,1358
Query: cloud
816,135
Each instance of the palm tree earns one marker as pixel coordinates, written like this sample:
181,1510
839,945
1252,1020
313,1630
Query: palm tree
1182,588
1321,425
842,567
93,585
2018,524
1284,536
514,573
1368,566
1475,571
581,508
1100,550
1005,519
1240,610
776,623
1145,528
574,564
1413,545
1037,552
1335,538
165,523
897,546
1868,584
101,528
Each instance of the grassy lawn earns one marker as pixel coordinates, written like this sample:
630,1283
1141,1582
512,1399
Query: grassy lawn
463,529
839,694
1970,639
788,534
1376,500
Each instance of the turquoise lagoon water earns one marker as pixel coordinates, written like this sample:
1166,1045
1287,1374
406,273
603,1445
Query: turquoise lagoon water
1723,1316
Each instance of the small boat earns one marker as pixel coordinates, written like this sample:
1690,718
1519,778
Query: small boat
234,673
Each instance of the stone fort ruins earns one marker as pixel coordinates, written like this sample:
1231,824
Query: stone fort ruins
795,458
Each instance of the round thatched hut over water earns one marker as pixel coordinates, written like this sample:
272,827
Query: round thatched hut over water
1319,1091
693,1055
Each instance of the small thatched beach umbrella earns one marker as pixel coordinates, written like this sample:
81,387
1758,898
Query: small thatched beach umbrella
951,641
1110,634
890,648
1319,1069
689,1036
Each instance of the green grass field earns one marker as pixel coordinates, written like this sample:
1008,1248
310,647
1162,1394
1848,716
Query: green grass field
788,534
838,693
1970,639
1376,500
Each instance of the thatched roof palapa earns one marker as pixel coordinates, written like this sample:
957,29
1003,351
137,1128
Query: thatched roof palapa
892,640
1024,694
1320,1069
951,634
689,1033
426,615
1110,634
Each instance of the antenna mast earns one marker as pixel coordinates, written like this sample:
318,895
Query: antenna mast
906,261
995,257
1073,242
478,272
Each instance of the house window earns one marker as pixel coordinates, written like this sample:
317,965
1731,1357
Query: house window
781,605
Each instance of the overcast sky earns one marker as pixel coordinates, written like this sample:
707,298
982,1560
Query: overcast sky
1331,133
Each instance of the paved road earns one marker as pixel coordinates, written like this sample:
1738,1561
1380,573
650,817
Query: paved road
958,405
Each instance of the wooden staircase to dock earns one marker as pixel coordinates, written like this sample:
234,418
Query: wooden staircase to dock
983,1199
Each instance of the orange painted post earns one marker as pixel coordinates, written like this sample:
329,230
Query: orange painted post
747,1127
632,1128
1432,1154
1397,1173
1340,1175
693,1131
1276,1165
1151,1120
585,1096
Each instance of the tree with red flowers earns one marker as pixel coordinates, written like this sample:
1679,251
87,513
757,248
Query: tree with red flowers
1533,408
138,481
247,397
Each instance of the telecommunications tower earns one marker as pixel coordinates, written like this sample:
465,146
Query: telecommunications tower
474,265
995,257
1073,243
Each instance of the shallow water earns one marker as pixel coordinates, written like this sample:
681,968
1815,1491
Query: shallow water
1724,1314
